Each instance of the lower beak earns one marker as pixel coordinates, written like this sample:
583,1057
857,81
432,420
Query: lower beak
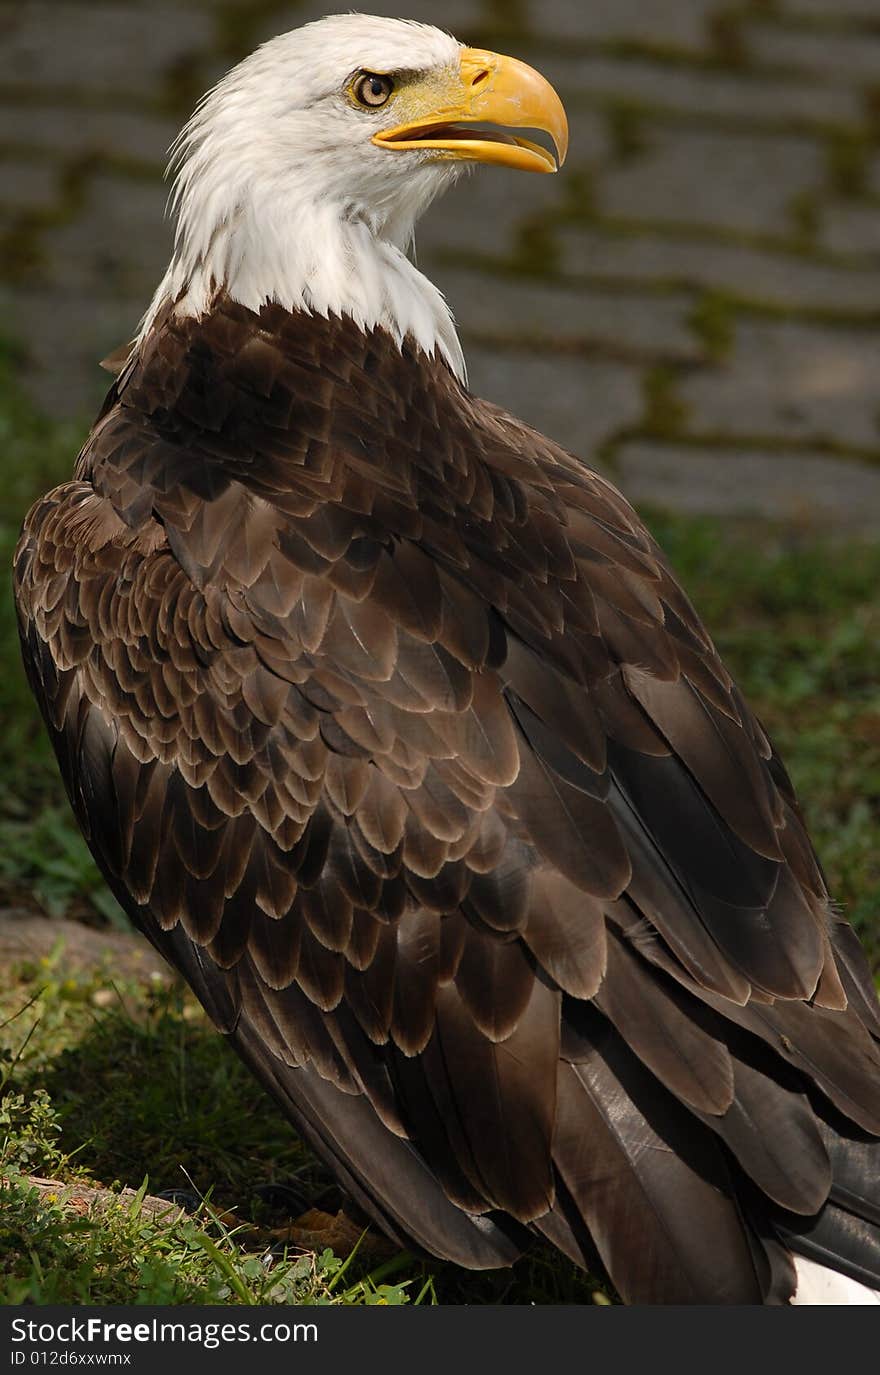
489,89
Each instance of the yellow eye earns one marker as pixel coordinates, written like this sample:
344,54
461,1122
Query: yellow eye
372,90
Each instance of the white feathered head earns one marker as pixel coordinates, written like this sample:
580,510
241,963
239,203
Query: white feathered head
302,174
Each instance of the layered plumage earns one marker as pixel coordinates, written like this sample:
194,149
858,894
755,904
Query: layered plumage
389,725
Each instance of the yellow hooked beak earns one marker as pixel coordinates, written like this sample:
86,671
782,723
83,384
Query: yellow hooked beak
487,89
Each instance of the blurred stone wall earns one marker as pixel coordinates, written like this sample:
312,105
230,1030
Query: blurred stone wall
694,302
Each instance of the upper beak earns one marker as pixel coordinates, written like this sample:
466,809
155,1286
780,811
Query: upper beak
491,89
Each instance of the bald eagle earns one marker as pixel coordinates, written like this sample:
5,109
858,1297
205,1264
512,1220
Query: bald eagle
389,725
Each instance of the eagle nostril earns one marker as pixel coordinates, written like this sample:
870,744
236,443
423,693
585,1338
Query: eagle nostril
480,78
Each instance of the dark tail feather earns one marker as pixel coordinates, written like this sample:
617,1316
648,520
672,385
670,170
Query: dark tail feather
845,1235
837,1239
653,1189
383,1173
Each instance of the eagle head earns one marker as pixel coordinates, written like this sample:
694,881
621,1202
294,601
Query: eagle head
302,174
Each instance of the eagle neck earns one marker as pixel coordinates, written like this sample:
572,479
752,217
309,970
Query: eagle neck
314,261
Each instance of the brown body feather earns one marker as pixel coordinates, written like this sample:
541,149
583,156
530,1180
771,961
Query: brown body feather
391,728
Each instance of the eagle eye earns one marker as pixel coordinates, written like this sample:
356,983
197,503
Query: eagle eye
372,90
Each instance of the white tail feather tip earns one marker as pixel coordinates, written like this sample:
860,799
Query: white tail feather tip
818,1285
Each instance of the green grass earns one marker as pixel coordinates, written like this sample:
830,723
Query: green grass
168,1090
114,1085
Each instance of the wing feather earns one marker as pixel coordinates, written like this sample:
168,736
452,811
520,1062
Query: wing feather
666,1232
389,725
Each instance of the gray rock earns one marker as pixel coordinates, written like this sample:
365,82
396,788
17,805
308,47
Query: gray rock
75,950
853,229
791,381
747,97
568,317
575,362
99,47
813,491
481,214
669,23
465,18
729,181
484,212
27,185
832,9
778,279
851,57
589,141
64,131
120,242
85,1201
65,335
577,402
